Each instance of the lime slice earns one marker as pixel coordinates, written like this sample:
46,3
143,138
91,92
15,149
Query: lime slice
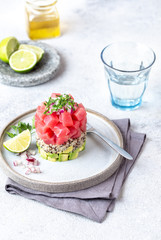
37,50
19,143
7,47
23,61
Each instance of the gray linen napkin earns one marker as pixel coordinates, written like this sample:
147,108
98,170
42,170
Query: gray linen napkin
93,202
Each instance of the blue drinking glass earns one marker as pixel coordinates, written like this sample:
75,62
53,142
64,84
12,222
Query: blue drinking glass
127,66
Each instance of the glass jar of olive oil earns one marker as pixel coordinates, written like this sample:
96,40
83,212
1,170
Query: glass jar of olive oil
42,19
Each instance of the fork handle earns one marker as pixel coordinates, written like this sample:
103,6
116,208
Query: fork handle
114,146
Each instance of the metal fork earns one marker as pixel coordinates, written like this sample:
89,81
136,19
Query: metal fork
114,146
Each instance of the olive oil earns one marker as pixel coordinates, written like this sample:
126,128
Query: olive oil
42,19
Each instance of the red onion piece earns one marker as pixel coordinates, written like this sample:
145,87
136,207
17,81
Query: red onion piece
15,163
32,169
35,170
36,163
28,162
61,111
31,159
28,171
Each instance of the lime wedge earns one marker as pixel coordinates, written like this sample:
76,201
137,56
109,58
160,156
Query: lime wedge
23,61
19,143
37,50
7,47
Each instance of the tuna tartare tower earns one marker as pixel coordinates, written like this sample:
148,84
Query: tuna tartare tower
60,126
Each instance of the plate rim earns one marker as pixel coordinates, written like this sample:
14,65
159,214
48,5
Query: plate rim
68,186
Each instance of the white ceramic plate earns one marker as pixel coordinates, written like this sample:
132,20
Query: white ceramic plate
93,165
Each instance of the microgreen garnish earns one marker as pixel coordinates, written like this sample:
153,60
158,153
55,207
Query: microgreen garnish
21,126
33,122
64,101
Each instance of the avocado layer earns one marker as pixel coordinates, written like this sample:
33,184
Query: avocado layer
66,155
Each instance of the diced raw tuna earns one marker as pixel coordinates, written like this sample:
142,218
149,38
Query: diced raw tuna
73,131
51,120
42,128
49,133
77,135
62,140
83,124
59,126
66,119
37,120
54,95
60,130
71,96
76,124
79,114
48,140
48,137
40,111
80,105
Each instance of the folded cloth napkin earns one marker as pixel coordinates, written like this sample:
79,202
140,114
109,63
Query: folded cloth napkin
96,201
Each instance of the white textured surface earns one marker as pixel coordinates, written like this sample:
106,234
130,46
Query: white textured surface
87,26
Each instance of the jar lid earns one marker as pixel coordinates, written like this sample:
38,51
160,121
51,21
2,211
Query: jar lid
41,3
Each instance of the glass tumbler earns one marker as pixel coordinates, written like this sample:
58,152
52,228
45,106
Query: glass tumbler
127,66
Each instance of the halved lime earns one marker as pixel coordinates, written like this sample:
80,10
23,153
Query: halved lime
19,143
23,61
7,47
37,50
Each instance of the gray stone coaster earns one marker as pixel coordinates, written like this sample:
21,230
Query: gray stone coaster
44,71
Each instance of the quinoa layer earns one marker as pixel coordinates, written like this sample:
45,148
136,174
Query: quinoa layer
76,143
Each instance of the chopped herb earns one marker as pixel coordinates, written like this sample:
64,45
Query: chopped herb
21,126
11,134
64,101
